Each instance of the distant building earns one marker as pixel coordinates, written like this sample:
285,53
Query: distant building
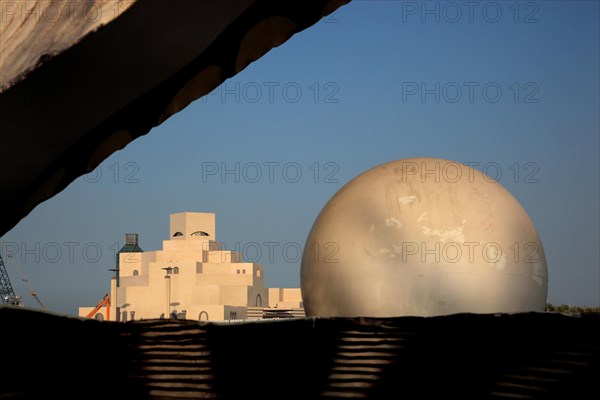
192,278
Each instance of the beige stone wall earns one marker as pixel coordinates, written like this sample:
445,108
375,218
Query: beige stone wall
223,256
285,298
147,258
233,295
128,262
138,280
205,312
257,296
83,311
189,223
233,313
292,295
190,245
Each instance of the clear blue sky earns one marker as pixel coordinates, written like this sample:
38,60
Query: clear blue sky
339,98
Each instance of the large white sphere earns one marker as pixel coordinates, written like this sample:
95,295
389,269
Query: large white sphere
423,237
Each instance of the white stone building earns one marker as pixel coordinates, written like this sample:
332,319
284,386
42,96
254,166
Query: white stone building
192,278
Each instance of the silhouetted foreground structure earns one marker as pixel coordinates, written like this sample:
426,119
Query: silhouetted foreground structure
535,356
78,86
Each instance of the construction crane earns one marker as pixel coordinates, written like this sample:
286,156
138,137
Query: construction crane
32,292
6,290
7,293
104,302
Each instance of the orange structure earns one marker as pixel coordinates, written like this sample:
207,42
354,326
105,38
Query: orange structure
104,302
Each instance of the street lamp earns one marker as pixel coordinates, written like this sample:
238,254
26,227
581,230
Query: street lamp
168,290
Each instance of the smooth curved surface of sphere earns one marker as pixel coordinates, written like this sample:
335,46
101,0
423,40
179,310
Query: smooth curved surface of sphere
422,237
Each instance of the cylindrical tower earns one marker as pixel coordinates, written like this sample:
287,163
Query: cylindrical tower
130,246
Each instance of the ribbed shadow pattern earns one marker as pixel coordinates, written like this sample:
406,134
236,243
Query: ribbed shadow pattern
547,375
361,357
522,356
173,360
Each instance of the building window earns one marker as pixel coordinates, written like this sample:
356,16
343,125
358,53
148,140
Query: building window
124,316
99,317
258,301
243,271
238,271
203,316
136,272
258,273
200,233
132,315
176,234
176,270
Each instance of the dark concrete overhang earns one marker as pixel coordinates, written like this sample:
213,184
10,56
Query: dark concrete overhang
67,104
